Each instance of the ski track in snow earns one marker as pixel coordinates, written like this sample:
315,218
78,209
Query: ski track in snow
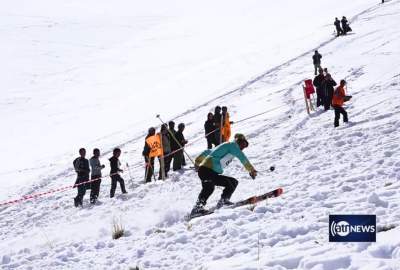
353,169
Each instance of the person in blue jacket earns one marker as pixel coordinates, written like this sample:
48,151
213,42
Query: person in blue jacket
211,167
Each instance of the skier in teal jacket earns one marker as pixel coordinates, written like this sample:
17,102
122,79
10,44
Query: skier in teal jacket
210,169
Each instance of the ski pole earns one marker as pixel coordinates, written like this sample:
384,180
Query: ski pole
172,135
130,174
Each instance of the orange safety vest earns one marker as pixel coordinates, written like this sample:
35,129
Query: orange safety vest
226,129
155,145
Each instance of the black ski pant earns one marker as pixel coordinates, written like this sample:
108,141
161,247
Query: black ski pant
95,187
320,97
210,179
339,110
178,161
114,179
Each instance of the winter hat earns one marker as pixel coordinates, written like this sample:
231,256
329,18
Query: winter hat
241,138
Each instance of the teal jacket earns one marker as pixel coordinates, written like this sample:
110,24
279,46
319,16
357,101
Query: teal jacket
222,156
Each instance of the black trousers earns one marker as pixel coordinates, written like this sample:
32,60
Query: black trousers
327,101
320,97
95,187
81,188
210,179
338,111
114,179
217,137
210,141
178,161
167,165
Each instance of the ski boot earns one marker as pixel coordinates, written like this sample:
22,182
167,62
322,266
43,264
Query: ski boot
224,202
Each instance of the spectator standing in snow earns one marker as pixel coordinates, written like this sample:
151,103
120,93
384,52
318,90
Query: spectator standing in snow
218,125
337,103
96,174
328,86
81,166
345,25
226,125
172,136
209,127
146,154
339,30
318,83
316,61
178,160
115,171
166,144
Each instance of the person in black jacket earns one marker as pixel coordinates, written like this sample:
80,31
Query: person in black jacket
81,166
209,127
166,144
339,30
318,83
329,87
179,157
149,161
218,124
114,173
316,61
174,144
345,25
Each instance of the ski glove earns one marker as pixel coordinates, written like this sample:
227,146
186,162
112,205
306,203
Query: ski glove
272,168
253,174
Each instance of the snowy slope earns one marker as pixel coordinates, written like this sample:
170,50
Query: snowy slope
354,169
94,73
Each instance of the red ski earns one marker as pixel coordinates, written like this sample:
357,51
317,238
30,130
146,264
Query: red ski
252,200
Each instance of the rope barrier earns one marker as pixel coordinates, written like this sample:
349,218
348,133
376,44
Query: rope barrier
62,189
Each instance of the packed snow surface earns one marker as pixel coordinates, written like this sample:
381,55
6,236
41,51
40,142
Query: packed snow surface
95,74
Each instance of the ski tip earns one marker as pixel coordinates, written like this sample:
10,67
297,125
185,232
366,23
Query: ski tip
279,191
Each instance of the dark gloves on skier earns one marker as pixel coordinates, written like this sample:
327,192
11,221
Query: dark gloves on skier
253,174
272,168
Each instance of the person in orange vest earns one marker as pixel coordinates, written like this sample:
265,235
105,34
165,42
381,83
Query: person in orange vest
146,154
226,125
339,97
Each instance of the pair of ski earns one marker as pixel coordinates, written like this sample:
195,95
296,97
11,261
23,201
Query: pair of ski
252,200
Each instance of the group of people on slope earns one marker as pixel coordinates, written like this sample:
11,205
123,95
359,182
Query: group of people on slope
217,127
93,167
327,95
172,143
342,26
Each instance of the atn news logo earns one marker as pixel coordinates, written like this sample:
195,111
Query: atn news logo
352,228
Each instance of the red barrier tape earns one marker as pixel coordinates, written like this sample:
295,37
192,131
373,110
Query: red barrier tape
37,195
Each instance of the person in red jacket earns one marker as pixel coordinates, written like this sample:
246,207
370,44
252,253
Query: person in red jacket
338,99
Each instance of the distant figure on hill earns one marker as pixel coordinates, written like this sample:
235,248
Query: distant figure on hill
339,30
345,25
316,61
218,125
226,125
